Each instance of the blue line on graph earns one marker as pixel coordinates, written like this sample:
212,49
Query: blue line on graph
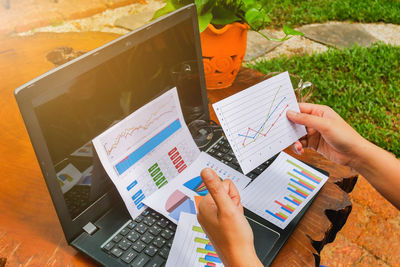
308,177
279,218
290,189
288,199
142,151
140,206
258,132
293,180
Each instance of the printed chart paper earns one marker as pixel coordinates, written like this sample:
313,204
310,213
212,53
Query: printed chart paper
282,190
68,177
191,246
146,150
255,123
179,195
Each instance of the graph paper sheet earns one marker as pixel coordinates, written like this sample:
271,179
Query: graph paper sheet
180,195
146,150
255,123
282,190
191,246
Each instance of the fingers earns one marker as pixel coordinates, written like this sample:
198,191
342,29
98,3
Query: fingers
232,191
316,122
217,190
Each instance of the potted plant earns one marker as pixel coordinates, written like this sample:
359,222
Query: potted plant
223,26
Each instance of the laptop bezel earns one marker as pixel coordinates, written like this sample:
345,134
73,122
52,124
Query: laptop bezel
24,94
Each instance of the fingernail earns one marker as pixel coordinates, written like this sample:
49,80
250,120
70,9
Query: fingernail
291,113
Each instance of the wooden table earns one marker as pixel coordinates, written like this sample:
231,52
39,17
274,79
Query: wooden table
30,233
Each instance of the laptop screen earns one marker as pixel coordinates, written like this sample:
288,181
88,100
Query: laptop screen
79,108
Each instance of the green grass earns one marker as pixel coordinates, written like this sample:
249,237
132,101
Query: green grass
361,84
300,12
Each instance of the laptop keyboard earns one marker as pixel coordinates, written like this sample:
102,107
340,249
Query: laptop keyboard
146,241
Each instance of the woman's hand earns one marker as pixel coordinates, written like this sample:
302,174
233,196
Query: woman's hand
221,216
327,133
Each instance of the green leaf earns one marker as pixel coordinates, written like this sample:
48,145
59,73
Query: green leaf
200,5
252,15
223,16
204,20
289,31
170,6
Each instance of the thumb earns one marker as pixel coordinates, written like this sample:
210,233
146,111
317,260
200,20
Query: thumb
312,121
217,190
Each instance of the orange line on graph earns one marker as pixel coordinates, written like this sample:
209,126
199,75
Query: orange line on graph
129,131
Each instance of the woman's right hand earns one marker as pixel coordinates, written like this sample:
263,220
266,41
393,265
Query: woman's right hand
327,133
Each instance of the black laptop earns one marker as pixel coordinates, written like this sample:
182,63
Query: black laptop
67,107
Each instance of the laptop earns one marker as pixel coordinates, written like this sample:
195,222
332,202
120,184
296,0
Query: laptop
65,108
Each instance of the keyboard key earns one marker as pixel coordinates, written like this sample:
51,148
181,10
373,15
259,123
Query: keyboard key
167,234
217,147
169,244
129,256
159,242
141,228
233,166
141,260
149,221
251,175
222,142
124,231
156,216
163,222
151,250
109,246
155,230
211,151
156,262
117,238
224,150
133,236
172,227
131,225
124,244
138,246
219,155
116,252
145,213
147,238
139,218
228,158
164,252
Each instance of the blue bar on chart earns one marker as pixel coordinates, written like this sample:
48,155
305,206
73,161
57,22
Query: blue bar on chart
129,187
142,151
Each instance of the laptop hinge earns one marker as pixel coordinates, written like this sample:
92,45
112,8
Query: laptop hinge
90,228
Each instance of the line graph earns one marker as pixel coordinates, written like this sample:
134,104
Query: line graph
254,120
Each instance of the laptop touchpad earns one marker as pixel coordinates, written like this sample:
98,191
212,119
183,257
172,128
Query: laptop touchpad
264,238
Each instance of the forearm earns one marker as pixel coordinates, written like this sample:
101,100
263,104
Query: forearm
380,168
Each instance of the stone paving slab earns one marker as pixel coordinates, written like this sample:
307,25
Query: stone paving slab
338,35
258,46
25,15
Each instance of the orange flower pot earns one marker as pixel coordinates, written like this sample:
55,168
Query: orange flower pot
223,52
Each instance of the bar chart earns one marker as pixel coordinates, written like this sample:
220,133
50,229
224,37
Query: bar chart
191,246
283,189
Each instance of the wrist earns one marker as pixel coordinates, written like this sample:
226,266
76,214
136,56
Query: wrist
361,155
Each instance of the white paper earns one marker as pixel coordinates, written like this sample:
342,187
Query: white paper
179,195
146,150
255,123
84,151
68,177
276,190
190,247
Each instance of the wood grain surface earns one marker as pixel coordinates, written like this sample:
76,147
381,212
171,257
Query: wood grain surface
30,233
